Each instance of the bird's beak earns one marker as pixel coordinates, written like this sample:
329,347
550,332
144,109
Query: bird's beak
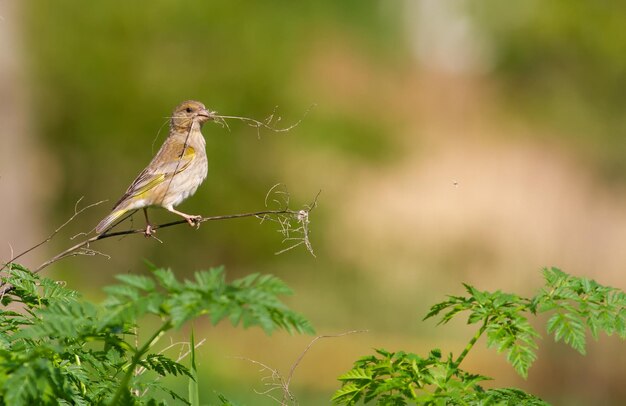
206,115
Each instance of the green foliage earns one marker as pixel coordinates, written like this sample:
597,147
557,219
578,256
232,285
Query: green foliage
250,301
399,378
504,396
226,402
56,347
502,318
579,303
394,378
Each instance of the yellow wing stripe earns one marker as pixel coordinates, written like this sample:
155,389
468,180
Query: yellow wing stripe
154,182
185,160
108,221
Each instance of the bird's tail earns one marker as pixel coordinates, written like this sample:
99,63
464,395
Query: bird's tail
108,221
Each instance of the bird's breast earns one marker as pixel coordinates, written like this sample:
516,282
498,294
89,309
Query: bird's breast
185,183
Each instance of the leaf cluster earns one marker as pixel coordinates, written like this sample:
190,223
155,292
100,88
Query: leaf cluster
402,378
576,304
579,304
394,378
58,348
502,318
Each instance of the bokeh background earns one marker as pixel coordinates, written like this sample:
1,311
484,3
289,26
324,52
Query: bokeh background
453,141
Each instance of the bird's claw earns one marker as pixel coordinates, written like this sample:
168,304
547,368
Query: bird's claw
149,231
194,221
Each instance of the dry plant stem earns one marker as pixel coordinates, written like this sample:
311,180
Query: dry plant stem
308,347
268,123
275,376
283,384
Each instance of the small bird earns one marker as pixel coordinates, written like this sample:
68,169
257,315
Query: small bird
174,173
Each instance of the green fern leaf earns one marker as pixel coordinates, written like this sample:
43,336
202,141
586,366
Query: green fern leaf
357,374
348,394
570,329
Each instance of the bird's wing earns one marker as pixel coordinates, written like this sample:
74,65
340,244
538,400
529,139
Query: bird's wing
171,159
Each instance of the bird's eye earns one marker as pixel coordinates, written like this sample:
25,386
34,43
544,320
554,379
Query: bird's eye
188,109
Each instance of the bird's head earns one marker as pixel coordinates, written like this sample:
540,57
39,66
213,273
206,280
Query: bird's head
189,112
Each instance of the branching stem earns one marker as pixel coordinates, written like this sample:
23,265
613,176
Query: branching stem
471,343
455,365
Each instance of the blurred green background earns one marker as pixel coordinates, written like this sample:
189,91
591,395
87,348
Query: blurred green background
453,141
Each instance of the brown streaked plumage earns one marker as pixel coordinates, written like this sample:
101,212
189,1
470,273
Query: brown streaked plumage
174,173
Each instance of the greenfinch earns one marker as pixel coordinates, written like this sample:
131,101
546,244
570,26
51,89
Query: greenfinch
174,173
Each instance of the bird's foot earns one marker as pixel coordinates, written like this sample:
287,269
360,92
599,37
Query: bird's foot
149,231
194,221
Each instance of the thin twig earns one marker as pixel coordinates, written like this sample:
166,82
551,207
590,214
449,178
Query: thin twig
268,123
275,376
51,236
277,380
303,219
156,137
284,194
308,347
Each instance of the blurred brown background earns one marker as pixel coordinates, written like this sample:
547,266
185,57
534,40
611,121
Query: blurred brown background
454,141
